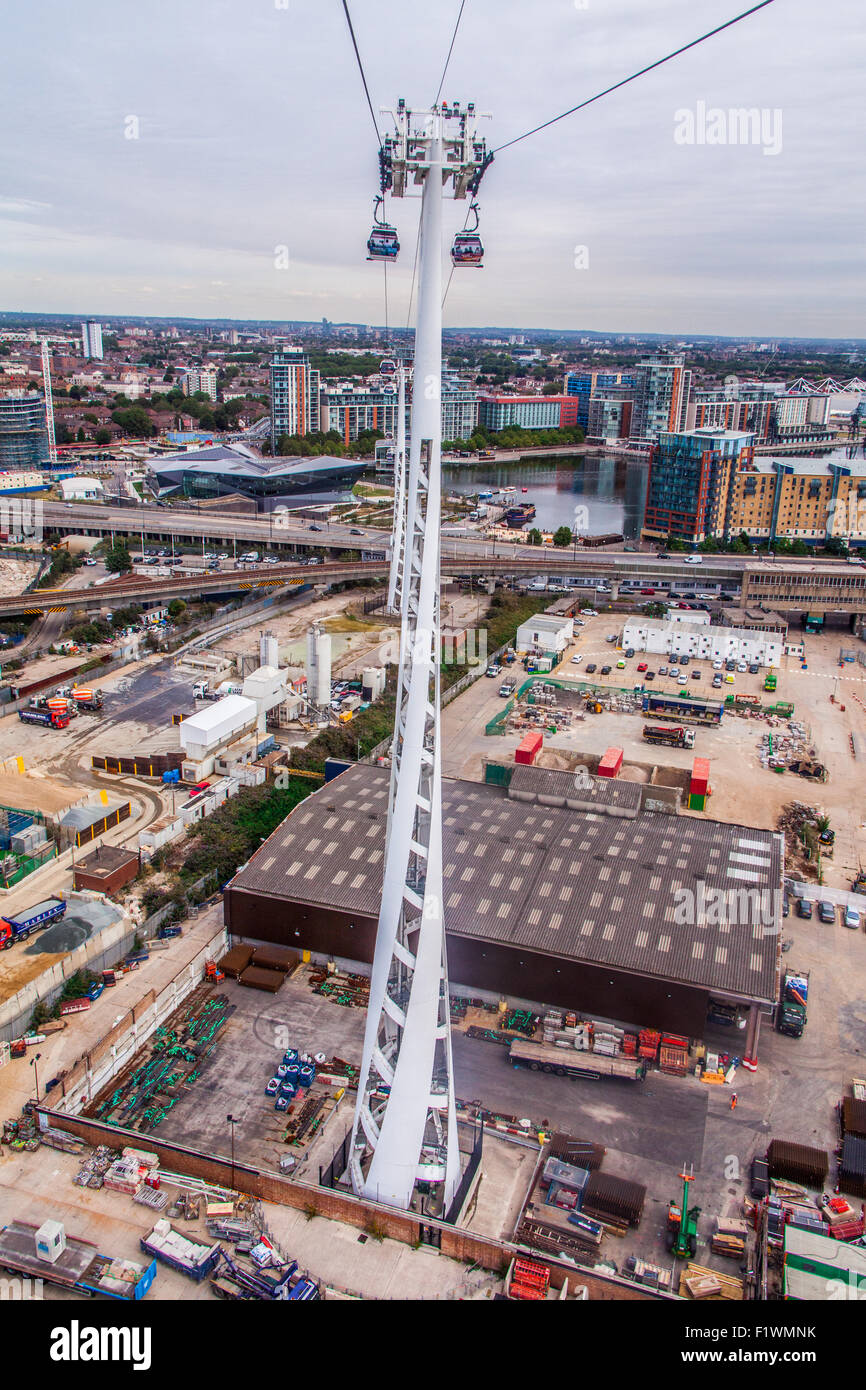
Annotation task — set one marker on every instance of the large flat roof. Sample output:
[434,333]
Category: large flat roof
[589,885]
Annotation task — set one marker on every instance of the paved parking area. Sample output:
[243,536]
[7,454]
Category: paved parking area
[251,1045]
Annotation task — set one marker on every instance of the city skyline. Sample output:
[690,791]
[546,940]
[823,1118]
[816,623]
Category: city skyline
[168,186]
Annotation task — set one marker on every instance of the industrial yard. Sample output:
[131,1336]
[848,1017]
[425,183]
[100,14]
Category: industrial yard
[224,1050]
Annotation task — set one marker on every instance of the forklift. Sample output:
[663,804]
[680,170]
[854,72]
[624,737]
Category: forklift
[682,1227]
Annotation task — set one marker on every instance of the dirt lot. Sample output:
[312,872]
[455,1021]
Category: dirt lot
[742,790]
[15,575]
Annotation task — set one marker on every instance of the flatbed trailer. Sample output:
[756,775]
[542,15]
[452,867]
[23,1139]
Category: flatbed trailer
[566,1061]
[160,1246]
[80,1266]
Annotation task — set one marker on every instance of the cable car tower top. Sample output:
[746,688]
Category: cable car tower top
[404,1148]
[408,152]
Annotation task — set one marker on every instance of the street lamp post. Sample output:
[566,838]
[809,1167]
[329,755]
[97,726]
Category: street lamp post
[232,1121]
[33,1063]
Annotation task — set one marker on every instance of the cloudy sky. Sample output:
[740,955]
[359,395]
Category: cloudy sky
[251,132]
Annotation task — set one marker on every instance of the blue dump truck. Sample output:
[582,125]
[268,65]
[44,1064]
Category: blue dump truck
[18,928]
[48,1253]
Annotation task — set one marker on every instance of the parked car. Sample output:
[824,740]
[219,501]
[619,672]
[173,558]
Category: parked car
[730,665]
[576,660]
[674,673]
[591,668]
[605,670]
[804,908]
[741,666]
[717,680]
[642,665]
[663,670]
[729,679]
[717,665]
[620,664]
[696,675]
[650,676]
[629,651]
[754,668]
[827,911]
[589,612]
[851,918]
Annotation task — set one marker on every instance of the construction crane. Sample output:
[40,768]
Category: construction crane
[49,402]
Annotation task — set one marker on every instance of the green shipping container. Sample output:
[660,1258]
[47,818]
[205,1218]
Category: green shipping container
[697,801]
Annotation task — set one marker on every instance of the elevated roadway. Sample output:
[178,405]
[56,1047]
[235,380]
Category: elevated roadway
[813,587]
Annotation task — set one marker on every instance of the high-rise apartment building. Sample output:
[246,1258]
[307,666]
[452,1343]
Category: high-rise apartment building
[200,379]
[294,393]
[766,409]
[23,432]
[527,412]
[351,410]
[661,396]
[91,339]
[585,385]
[691,477]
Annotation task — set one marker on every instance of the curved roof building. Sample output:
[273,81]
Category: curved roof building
[235,468]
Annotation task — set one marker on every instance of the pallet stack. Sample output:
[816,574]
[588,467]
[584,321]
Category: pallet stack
[673,1054]
[530,1280]
[648,1043]
[729,1238]
[606,1039]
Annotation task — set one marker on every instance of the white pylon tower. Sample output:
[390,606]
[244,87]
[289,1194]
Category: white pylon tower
[405,1127]
[49,401]
[398,532]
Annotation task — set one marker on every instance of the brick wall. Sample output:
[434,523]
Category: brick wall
[336,1206]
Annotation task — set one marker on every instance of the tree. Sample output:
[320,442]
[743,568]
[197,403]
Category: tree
[81,436]
[134,420]
[118,559]
[562,536]
[534,537]
[103,436]
[176,608]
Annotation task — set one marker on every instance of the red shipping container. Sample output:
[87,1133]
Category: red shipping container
[700,776]
[610,763]
[529,748]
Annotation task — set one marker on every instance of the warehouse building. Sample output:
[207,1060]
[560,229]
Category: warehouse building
[558,892]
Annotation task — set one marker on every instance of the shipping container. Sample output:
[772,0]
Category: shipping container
[610,763]
[700,782]
[529,748]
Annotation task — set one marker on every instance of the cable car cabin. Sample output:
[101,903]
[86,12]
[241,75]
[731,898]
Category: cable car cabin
[467,249]
[387,367]
[383,244]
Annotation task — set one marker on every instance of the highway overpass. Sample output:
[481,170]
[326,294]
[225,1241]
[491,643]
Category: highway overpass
[824,587]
